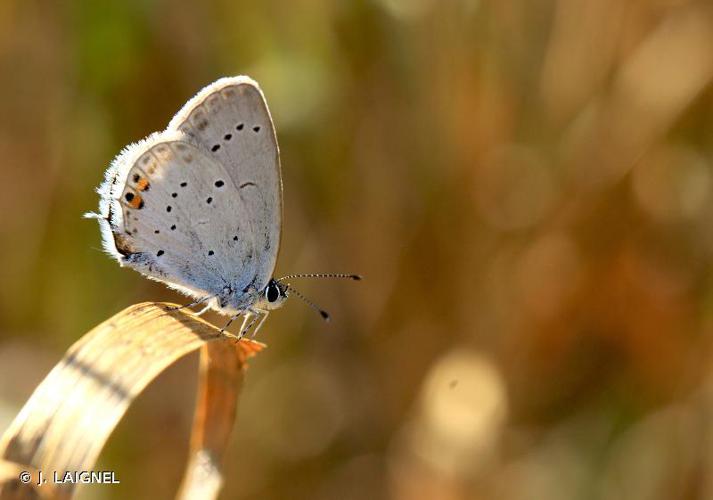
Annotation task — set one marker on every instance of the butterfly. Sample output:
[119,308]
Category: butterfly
[198,206]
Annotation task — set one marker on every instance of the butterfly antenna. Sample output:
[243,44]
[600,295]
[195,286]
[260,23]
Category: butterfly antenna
[322,312]
[355,277]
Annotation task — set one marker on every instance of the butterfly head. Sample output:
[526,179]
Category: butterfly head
[273,295]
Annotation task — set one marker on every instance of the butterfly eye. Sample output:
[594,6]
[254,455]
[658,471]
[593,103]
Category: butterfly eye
[272,293]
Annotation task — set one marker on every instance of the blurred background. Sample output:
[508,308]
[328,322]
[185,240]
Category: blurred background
[526,186]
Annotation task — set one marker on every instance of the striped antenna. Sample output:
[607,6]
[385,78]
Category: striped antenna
[354,277]
[322,312]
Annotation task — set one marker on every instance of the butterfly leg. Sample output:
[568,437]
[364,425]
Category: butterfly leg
[246,317]
[203,310]
[259,325]
[233,318]
[194,303]
[246,329]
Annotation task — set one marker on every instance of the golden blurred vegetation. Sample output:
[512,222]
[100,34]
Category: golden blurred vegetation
[526,186]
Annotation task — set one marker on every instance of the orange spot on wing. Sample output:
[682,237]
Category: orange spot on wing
[136,202]
[142,185]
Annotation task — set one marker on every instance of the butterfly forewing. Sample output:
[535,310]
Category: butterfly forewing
[231,121]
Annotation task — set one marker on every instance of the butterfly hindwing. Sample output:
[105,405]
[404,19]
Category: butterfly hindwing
[176,217]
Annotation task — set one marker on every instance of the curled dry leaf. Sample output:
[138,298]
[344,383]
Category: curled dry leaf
[67,420]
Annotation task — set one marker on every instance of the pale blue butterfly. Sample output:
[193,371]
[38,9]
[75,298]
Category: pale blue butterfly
[199,205]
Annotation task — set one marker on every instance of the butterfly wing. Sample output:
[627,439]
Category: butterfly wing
[231,121]
[173,212]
